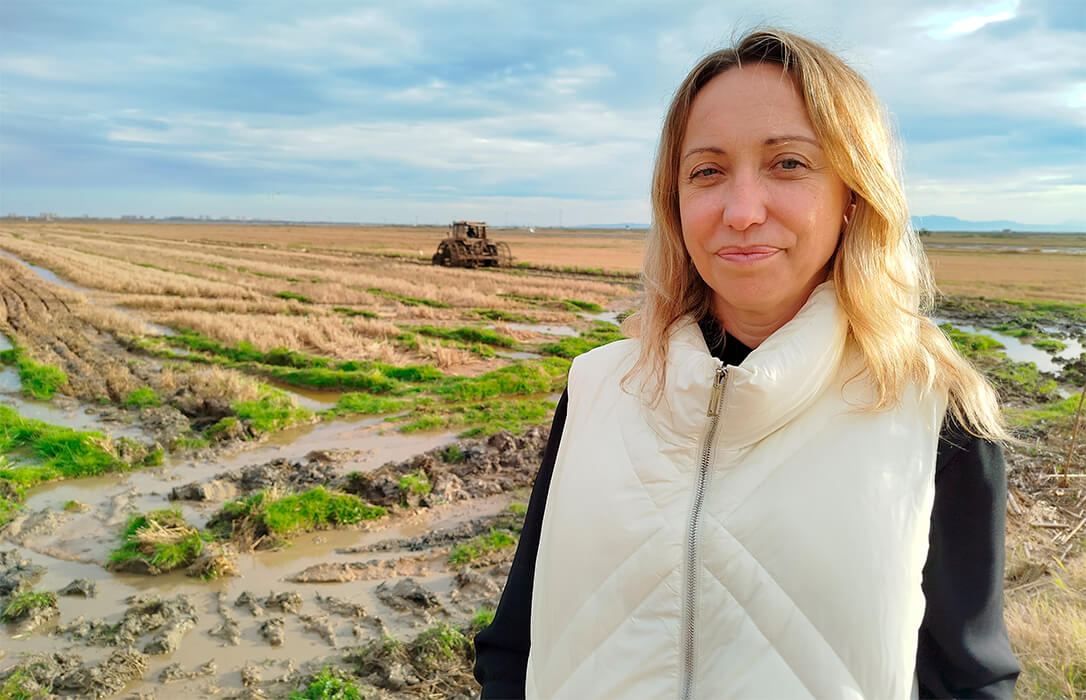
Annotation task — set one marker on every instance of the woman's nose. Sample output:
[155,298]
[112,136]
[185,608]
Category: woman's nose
[744,203]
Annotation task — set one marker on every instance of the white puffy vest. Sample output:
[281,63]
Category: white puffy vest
[789,566]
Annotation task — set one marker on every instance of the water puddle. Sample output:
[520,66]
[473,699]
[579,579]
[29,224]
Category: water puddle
[261,573]
[518,355]
[52,277]
[70,415]
[9,376]
[10,383]
[368,444]
[48,275]
[1019,350]
[306,397]
[543,328]
[605,316]
[152,328]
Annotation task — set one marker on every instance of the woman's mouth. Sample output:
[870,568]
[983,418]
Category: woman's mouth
[747,255]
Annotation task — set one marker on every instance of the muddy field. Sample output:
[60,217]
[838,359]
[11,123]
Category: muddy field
[245,461]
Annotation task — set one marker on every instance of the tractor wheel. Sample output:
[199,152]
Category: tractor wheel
[453,256]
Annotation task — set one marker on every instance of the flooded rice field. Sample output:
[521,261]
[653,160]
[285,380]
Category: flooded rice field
[391,529]
[227,469]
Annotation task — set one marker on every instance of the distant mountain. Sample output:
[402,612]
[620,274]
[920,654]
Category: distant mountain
[953,223]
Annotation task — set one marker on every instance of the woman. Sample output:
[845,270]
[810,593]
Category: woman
[766,491]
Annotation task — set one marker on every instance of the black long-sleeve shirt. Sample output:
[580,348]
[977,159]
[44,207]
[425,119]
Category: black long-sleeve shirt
[963,650]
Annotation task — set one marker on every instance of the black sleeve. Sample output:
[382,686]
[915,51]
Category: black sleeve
[501,650]
[963,648]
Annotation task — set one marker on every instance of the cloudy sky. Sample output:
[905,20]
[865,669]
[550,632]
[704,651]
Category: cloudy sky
[517,113]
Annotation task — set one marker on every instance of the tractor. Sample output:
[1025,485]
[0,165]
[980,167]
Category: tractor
[466,245]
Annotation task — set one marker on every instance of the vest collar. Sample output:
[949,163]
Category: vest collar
[777,381]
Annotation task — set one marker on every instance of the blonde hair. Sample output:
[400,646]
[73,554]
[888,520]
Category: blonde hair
[881,275]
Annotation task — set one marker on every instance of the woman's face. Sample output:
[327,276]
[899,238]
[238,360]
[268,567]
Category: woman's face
[761,208]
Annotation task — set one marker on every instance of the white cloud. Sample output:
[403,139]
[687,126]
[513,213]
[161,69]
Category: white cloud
[945,24]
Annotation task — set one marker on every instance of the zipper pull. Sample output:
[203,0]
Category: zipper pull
[718,391]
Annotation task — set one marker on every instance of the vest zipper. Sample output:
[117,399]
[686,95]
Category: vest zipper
[701,485]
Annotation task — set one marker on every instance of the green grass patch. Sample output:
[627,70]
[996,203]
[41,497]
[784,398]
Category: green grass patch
[415,482]
[601,333]
[499,315]
[354,403]
[578,305]
[62,451]
[38,381]
[328,684]
[971,345]
[484,417]
[161,539]
[1021,376]
[23,604]
[295,296]
[346,311]
[189,442]
[272,411]
[408,301]
[440,643]
[452,454]
[547,375]
[370,380]
[480,546]
[73,506]
[1012,378]
[1049,345]
[1027,314]
[482,619]
[317,508]
[267,513]
[21,684]
[9,509]
[467,334]
[1052,412]
[1014,330]
[142,398]
[300,369]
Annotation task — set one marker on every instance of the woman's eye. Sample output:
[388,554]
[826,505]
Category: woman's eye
[790,164]
[707,171]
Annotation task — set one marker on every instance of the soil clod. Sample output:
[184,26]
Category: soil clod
[107,678]
[289,602]
[248,600]
[274,630]
[407,594]
[80,587]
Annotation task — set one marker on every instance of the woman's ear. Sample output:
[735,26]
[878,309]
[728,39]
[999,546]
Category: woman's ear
[849,211]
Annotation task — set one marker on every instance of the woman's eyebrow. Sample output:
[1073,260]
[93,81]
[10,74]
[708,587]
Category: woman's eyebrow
[778,140]
[771,141]
[704,149]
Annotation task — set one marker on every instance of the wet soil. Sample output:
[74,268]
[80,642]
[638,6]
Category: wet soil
[290,610]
